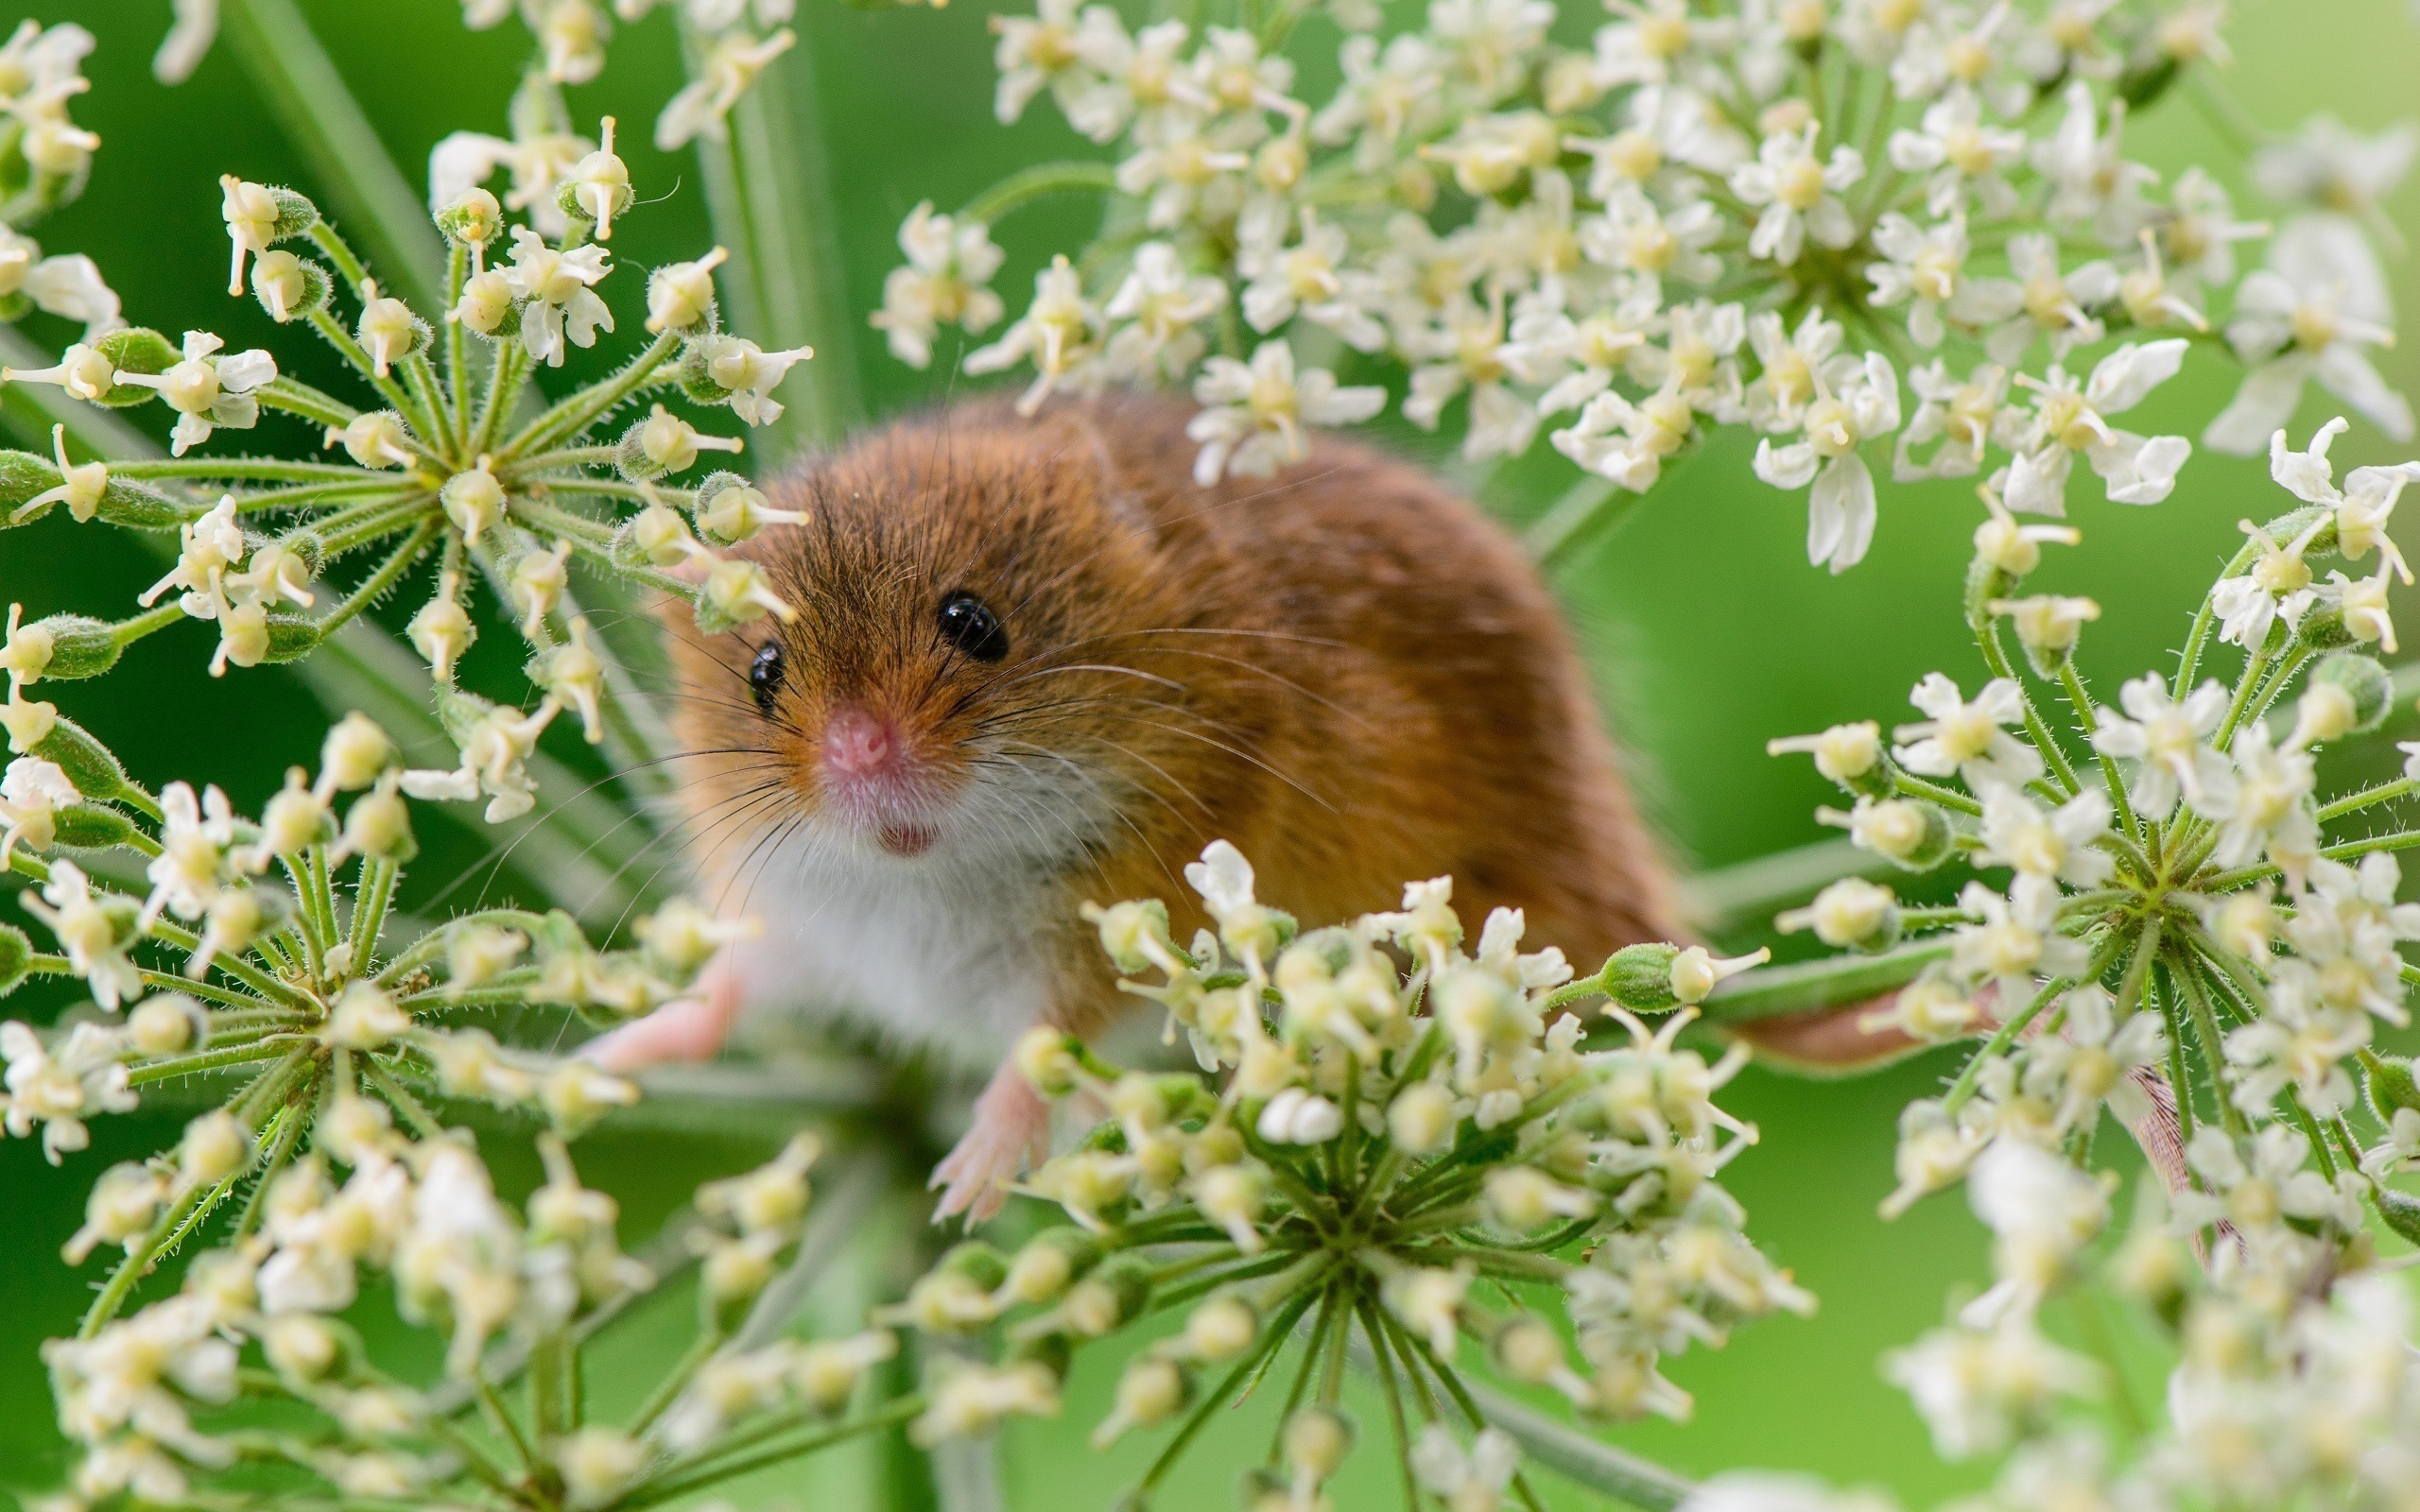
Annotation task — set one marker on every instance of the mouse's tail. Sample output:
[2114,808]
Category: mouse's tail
[1841,1041]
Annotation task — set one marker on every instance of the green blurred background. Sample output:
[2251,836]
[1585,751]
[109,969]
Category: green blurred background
[1710,632]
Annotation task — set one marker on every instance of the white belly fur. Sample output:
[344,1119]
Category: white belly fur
[935,953]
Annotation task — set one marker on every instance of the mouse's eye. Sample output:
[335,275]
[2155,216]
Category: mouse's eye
[765,674]
[968,622]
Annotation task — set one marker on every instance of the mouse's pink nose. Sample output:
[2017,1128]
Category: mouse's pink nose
[855,744]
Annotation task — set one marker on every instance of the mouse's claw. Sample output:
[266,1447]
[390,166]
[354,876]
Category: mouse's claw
[1011,1131]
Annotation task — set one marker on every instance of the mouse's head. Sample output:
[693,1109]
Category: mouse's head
[957,682]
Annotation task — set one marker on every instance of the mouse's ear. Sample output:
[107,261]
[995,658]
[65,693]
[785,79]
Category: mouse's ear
[1078,439]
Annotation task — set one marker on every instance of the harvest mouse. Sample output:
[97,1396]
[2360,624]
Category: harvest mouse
[1034,664]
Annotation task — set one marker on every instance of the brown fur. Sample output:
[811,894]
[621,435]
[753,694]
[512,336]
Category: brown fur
[1347,671]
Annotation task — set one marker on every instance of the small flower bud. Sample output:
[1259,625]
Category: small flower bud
[665,443]
[656,536]
[1528,1350]
[1149,1392]
[597,1463]
[828,1371]
[1110,1297]
[1851,913]
[1046,1267]
[737,592]
[1230,1197]
[1915,835]
[1046,1057]
[734,1272]
[598,186]
[1220,1328]
[374,439]
[288,288]
[2048,626]
[215,1147]
[1315,1442]
[300,1346]
[123,1205]
[2367,690]
[473,220]
[356,753]
[479,954]
[442,630]
[1421,1119]
[387,330]
[2005,549]
[681,296]
[474,501]
[1525,1200]
[736,510]
[1850,755]
[535,584]
[1297,1117]
[366,1019]
[576,1095]
[168,1023]
[486,304]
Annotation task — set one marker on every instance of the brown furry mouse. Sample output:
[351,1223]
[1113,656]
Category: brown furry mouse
[1034,666]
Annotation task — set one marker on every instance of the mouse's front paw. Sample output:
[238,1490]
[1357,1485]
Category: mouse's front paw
[1011,1131]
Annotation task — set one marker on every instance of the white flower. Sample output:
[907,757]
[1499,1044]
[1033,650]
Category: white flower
[2265,804]
[1799,192]
[1463,350]
[1157,313]
[2056,305]
[1962,417]
[499,743]
[560,287]
[1034,53]
[2015,937]
[31,793]
[2327,167]
[1473,1479]
[2364,506]
[2092,181]
[1927,271]
[2069,418]
[1308,278]
[2041,1212]
[2167,738]
[2092,1060]
[1789,362]
[1253,423]
[192,865]
[2278,585]
[1627,442]
[1060,333]
[1968,738]
[2299,1042]
[944,281]
[1961,153]
[730,69]
[2258,1195]
[1186,167]
[94,930]
[57,1088]
[1856,405]
[2019,834]
[207,390]
[2308,315]
[538,159]
[1133,78]
[749,375]
[1977,1390]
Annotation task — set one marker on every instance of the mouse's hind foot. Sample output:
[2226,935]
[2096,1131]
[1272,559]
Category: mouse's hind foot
[1011,1133]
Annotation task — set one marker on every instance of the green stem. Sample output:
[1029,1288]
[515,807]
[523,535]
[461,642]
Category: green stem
[568,417]
[2189,661]
[369,900]
[2081,701]
[1971,1074]
[393,568]
[668,1389]
[338,338]
[298,398]
[1987,637]
[1769,991]
[702,1475]
[2355,802]
[274,1047]
[1028,184]
[2205,1028]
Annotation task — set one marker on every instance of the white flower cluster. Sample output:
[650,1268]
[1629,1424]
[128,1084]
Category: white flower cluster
[2180,941]
[268,976]
[141,1396]
[1852,229]
[44,157]
[1449,1112]
[438,465]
